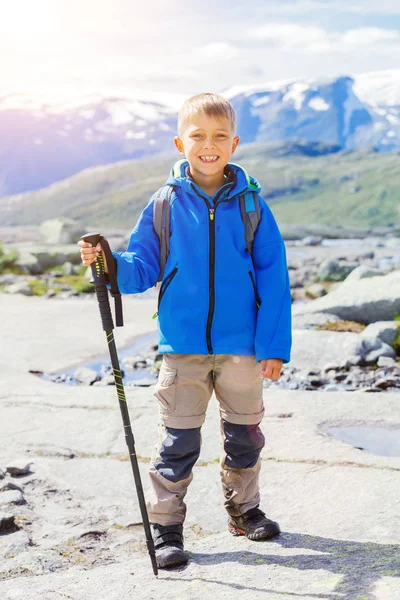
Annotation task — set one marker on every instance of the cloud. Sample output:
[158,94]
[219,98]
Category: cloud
[316,40]
[217,51]
[369,7]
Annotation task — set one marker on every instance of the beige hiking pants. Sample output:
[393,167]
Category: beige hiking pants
[184,388]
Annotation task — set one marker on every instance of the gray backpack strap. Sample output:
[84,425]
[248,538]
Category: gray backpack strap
[161,222]
[250,211]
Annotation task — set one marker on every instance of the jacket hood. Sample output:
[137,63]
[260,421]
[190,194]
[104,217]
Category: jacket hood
[240,180]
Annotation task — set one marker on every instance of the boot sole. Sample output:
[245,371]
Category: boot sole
[236,531]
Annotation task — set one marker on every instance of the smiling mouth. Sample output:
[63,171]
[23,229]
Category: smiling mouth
[209,159]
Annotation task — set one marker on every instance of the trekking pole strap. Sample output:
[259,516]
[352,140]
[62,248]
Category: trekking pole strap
[101,279]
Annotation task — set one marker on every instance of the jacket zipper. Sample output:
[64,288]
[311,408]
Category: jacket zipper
[211,284]
[164,286]
[257,297]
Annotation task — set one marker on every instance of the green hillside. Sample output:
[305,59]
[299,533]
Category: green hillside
[355,189]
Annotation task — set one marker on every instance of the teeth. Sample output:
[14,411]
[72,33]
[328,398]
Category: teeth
[209,158]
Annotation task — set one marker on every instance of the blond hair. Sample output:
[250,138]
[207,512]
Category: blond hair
[212,105]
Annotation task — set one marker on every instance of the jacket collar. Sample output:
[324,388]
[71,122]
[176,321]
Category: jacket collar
[238,179]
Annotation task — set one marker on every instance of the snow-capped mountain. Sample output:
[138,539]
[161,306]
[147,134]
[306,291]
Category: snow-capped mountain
[43,142]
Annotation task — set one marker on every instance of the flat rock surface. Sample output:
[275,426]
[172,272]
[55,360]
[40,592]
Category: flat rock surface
[79,531]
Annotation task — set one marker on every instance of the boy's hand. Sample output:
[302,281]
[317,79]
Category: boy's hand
[89,254]
[271,368]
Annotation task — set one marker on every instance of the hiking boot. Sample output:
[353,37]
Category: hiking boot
[254,525]
[168,543]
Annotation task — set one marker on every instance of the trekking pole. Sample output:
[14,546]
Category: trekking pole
[100,282]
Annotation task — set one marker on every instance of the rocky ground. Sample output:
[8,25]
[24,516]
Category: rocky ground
[69,520]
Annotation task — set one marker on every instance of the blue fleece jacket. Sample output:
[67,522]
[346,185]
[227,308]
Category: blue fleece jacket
[211,286]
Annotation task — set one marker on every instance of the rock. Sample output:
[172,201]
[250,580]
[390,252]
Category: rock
[37,258]
[393,242]
[17,470]
[19,541]
[27,262]
[316,290]
[334,270]
[86,376]
[364,301]
[331,387]
[371,348]
[2,474]
[19,288]
[387,331]
[386,361]
[350,361]
[332,366]
[313,320]
[311,240]
[386,382]
[143,382]
[35,562]
[11,497]
[68,268]
[61,231]
[8,279]
[7,523]
[362,271]
[10,486]
[314,349]
[372,357]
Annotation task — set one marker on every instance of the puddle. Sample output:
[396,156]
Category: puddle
[374,439]
[140,344]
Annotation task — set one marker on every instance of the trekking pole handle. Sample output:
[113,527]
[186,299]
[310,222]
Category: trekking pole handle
[100,282]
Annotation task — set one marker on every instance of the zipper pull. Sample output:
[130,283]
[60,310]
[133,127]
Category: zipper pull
[155,315]
[212,210]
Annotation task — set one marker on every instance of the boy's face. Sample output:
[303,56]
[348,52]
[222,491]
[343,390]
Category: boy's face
[207,143]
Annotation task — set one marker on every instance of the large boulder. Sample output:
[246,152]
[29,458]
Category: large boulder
[365,301]
[61,231]
[39,257]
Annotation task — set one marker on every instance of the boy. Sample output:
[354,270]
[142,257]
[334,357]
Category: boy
[221,313]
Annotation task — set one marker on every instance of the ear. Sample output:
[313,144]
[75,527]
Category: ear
[235,142]
[179,144]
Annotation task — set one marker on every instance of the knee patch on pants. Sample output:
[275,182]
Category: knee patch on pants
[242,445]
[178,453]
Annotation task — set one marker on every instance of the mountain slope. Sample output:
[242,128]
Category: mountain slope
[303,183]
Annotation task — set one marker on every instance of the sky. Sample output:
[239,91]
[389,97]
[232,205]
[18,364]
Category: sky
[187,46]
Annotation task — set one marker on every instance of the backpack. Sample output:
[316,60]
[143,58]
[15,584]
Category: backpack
[249,210]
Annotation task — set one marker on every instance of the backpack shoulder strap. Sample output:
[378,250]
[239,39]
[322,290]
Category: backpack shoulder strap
[250,211]
[161,223]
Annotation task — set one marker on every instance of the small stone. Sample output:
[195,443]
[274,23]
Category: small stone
[143,382]
[331,367]
[86,376]
[331,388]
[386,361]
[11,497]
[369,389]
[2,474]
[386,382]
[7,523]
[17,470]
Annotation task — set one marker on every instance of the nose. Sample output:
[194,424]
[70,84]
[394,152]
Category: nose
[208,142]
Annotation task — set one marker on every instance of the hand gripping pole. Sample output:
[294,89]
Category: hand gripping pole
[101,279]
